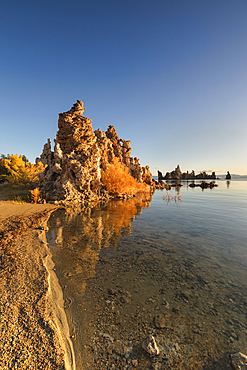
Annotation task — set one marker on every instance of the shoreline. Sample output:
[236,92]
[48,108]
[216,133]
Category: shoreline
[33,328]
[55,297]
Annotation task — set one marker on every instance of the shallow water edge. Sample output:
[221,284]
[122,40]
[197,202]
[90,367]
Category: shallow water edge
[174,270]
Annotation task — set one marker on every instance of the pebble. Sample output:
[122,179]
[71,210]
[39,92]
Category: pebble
[159,321]
[234,335]
[165,303]
[239,361]
[106,336]
[150,346]
[135,363]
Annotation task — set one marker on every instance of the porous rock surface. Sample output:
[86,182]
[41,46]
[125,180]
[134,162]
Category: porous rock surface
[73,169]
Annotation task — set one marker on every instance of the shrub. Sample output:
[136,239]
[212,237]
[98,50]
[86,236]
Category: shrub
[118,181]
[35,195]
[18,200]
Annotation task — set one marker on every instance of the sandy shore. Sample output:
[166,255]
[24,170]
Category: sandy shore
[9,209]
[33,327]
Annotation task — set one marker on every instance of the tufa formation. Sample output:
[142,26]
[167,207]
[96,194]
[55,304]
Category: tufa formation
[73,169]
[178,175]
[228,176]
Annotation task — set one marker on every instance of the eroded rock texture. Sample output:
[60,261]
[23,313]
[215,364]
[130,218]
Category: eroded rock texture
[73,169]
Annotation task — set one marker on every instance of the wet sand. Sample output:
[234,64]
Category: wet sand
[34,332]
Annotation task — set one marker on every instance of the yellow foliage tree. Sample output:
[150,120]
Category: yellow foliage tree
[118,181]
[20,171]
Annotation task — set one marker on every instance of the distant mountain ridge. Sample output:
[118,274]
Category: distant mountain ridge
[234,174]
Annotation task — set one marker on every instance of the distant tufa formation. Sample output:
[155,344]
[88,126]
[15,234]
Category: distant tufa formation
[228,176]
[73,170]
[178,175]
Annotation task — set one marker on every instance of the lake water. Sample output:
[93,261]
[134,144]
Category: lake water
[172,265]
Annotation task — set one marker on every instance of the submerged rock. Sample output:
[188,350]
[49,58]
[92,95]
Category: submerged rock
[159,321]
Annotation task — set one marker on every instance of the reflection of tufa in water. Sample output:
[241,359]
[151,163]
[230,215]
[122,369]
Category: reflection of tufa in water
[204,185]
[84,233]
[168,198]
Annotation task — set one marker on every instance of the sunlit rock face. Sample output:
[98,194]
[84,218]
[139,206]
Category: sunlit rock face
[73,169]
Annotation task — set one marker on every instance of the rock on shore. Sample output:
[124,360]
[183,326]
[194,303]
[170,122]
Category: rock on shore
[73,169]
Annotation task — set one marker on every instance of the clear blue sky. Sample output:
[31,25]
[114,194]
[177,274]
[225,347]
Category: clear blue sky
[170,75]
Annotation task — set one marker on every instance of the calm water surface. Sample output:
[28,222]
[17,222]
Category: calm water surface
[172,265]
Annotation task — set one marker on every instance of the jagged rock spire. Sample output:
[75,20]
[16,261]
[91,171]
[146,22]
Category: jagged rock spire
[73,170]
